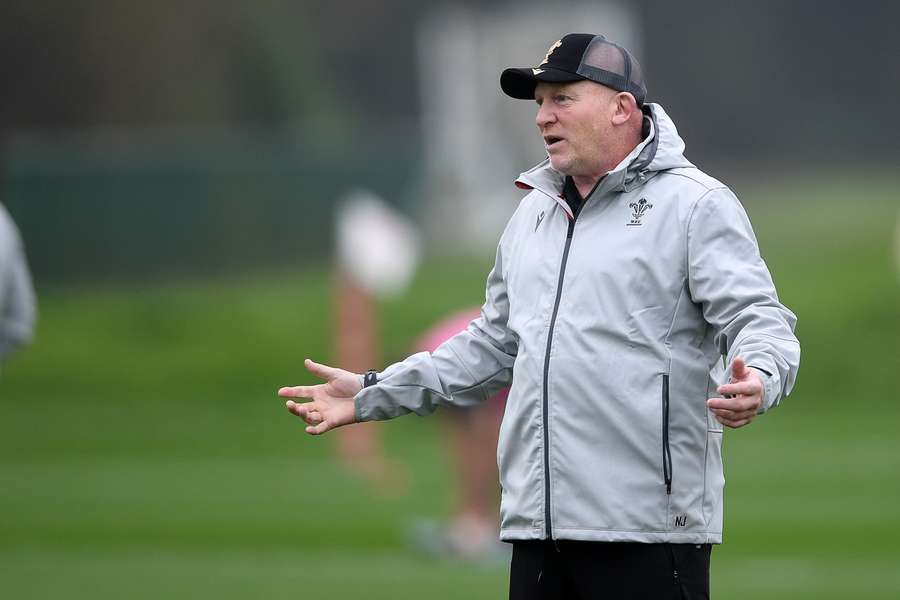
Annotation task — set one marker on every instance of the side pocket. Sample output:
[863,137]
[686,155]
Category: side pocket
[667,453]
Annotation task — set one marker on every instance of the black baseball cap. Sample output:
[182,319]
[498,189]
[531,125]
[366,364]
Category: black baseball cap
[575,57]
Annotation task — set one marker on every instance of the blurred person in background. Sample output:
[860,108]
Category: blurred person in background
[631,312]
[471,531]
[360,282]
[360,449]
[377,251]
[17,302]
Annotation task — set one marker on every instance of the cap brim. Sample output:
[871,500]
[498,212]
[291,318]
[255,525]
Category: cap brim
[520,83]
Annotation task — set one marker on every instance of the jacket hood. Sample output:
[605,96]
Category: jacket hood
[660,150]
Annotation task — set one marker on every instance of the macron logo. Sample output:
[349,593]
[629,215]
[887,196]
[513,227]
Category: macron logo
[540,218]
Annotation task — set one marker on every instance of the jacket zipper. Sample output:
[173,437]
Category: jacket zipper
[667,453]
[546,408]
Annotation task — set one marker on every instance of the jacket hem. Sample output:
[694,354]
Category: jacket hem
[613,535]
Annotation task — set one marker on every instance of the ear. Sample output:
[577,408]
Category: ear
[624,108]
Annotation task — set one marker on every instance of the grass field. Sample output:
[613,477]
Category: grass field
[144,454]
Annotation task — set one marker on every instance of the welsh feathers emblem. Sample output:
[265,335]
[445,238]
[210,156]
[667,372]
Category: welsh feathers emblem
[639,209]
[556,45]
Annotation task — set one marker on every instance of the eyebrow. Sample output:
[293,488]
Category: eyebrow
[556,92]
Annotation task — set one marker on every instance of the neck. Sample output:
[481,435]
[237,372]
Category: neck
[586,183]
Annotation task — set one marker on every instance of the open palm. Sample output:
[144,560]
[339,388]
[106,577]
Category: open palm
[331,403]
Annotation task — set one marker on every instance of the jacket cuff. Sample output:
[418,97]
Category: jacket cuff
[770,389]
[357,409]
[362,406]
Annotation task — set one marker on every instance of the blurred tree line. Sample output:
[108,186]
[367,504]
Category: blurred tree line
[102,63]
[197,132]
[818,73]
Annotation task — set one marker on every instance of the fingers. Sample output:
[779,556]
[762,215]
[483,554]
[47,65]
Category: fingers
[741,388]
[318,429]
[308,411]
[734,412]
[296,409]
[319,370]
[314,417]
[733,423]
[743,397]
[737,403]
[299,391]
[733,415]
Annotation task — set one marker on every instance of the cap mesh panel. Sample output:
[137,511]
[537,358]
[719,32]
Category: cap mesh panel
[610,64]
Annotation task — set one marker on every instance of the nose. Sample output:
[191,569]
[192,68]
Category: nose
[544,116]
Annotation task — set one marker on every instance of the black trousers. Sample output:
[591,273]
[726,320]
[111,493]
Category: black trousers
[569,570]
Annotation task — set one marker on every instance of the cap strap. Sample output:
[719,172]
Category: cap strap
[613,80]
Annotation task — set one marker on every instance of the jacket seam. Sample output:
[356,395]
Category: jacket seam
[707,186]
[666,531]
[672,324]
[705,464]
[459,391]
[469,373]
[687,233]
[487,338]
[763,334]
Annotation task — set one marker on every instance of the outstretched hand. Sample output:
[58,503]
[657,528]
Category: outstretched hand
[331,402]
[743,395]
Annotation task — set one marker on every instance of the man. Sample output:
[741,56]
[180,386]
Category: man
[627,287]
[17,306]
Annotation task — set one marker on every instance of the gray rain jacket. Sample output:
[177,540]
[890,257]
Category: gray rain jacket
[613,330]
[17,305]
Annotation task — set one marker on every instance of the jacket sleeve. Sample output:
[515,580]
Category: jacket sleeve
[17,303]
[465,370]
[730,281]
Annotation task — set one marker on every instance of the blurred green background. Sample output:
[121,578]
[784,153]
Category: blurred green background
[173,169]
[144,453]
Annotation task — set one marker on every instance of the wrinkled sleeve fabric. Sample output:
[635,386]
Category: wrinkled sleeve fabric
[730,281]
[17,302]
[465,370]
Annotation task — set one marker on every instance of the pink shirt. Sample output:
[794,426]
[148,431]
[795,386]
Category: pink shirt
[445,329]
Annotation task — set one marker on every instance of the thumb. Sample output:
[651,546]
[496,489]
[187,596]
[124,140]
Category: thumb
[738,369]
[319,370]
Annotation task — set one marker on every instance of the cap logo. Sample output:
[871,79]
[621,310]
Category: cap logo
[537,71]
[550,51]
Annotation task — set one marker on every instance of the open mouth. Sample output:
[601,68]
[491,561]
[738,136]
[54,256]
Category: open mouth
[551,140]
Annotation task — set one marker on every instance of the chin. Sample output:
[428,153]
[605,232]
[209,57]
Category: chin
[560,165]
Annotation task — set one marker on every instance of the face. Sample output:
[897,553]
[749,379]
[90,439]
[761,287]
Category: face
[575,121]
